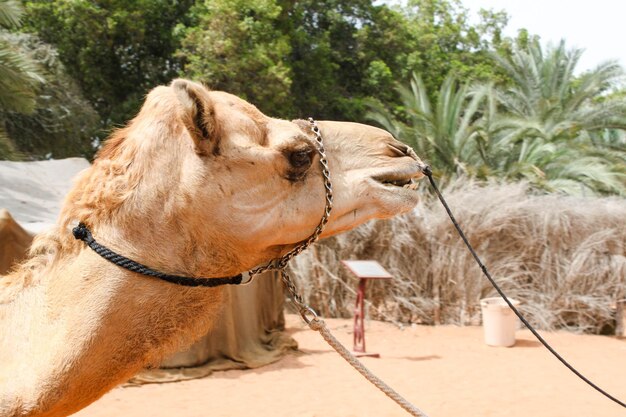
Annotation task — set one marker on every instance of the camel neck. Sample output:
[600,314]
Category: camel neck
[91,322]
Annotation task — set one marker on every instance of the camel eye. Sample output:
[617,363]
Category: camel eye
[300,159]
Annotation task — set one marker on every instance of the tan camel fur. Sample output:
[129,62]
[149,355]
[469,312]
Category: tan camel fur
[200,183]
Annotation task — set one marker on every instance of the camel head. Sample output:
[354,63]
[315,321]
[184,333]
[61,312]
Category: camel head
[227,188]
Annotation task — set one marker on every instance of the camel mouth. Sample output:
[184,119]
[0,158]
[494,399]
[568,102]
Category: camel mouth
[410,184]
[406,179]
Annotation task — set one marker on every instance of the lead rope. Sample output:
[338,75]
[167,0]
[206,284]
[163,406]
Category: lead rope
[428,172]
[314,322]
[317,324]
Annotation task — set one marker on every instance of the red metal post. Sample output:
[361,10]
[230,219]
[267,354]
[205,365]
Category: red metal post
[359,318]
[363,270]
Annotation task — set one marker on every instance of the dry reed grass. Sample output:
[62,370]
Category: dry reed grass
[563,257]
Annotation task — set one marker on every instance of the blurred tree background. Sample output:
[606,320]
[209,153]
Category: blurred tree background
[19,76]
[470,100]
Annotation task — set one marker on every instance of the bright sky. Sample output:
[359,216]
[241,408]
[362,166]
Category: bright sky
[597,26]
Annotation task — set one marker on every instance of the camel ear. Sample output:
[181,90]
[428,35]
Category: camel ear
[197,113]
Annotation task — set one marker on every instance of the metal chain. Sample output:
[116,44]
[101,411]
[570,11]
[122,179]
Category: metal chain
[282,262]
[307,313]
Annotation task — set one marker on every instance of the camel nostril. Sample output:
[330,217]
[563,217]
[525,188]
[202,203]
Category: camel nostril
[410,152]
[401,149]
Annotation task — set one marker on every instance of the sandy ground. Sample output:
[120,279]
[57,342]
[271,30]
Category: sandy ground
[445,371]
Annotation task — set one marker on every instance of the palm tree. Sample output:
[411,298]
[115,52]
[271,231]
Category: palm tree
[552,122]
[19,76]
[444,134]
[558,131]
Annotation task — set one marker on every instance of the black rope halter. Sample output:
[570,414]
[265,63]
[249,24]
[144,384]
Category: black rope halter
[82,232]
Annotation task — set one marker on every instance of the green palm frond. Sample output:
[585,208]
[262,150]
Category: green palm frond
[379,114]
[551,128]
[19,74]
[19,77]
[444,133]
[594,175]
[10,13]
[610,139]
[568,186]
[546,88]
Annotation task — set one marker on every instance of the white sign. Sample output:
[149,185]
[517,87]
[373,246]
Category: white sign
[367,269]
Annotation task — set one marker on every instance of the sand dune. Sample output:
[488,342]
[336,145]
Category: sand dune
[446,371]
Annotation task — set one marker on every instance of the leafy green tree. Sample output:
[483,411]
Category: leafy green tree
[62,123]
[19,75]
[116,50]
[333,68]
[235,46]
[293,59]
[347,52]
[328,58]
[443,42]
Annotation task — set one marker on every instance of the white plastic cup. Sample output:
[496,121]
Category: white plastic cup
[499,321]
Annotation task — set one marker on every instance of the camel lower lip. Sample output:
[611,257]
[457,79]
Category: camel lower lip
[407,186]
[412,186]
